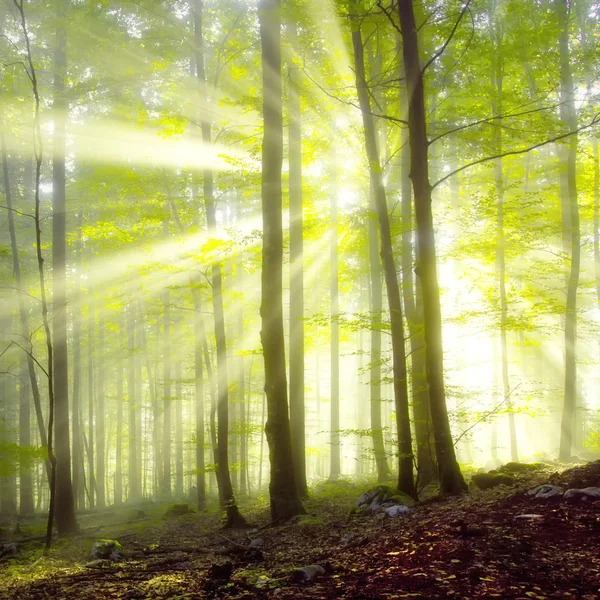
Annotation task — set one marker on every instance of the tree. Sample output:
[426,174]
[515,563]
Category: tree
[451,480]
[571,227]
[406,482]
[285,500]
[297,423]
[234,518]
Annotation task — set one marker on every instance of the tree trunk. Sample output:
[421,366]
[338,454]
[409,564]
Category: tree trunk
[100,416]
[25,480]
[297,418]
[199,396]
[65,507]
[497,74]
[569,201]
[133,475]
[23,316]
[406,482]
[166,441]
[178,416]
[90,445]
[234,518]
[285,500]
[78,458]
[451,479]
[119,436]
[413,305]
[334,348]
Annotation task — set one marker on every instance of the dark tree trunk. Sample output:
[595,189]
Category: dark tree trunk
[406,482]
[451,479]
[234,518]
[285,500]
[297,424]
[413,305]
[65,506]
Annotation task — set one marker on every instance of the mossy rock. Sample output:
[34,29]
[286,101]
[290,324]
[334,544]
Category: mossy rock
[178,510]
[487,481]
[307,520]
[517,467]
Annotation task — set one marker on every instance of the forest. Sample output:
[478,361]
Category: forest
[299,299]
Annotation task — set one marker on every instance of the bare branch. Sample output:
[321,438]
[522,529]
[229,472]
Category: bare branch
[494,118]
[349,103]
[441,51]
[17,211]
[593,122]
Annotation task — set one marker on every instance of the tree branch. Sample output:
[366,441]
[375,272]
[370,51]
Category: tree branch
[494,118]
[441,51]
[593,122]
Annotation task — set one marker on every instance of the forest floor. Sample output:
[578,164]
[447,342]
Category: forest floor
[500,543]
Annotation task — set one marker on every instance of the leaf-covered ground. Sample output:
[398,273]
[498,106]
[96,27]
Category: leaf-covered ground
[500,543]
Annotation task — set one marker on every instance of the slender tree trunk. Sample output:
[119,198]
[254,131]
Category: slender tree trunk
[178,416]
[23,316]
[78,458]
[166,441]
[383,469]
[133,476]
[234,518]
[569,201]
[241,374]
[451,480]
[199,396]
[119,438]
[100,416]
[334,348]
[91,389]
[406,482]
[497,75]
[65,506]
[25,480]
[297,418]
[285,500]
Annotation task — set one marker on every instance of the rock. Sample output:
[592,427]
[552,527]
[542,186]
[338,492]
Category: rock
[487,481]
[308,573]
[8,550]
[588,493]
[256,543]
[177,510]
[381,498]
[109,550]
[545,491]
[517,467]
[397,509]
